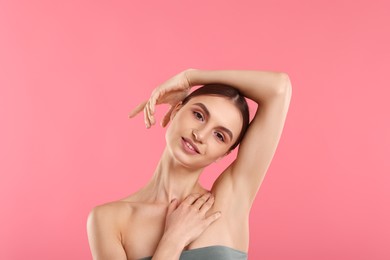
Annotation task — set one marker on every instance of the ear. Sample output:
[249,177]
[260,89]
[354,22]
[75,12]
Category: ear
[176,109]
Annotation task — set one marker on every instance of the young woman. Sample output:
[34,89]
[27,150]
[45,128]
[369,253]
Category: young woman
[173,216]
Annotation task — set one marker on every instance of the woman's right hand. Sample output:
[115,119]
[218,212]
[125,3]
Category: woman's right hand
[187,221]
[171,92]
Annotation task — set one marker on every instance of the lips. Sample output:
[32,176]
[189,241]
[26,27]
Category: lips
[191,144]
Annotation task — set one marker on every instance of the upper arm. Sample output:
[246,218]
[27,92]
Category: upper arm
[258,146]
[103,236]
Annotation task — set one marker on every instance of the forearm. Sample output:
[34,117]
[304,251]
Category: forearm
[256,85]
[168,249]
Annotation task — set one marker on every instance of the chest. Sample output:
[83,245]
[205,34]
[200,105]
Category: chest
[144,229]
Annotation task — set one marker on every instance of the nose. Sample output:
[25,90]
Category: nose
[197,135]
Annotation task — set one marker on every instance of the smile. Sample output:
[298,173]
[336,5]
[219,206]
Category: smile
[189,146]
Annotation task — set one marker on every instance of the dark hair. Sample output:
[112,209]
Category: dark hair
[231,93]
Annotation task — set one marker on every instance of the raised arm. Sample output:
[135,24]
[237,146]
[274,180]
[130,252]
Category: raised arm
[272,92]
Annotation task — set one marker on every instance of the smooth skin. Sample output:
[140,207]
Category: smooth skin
[150,222]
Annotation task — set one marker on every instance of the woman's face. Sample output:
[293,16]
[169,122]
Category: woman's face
[203,130]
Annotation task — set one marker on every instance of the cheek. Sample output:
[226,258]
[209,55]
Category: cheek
[184,121]
[172,128]
[176,126]
[216,149]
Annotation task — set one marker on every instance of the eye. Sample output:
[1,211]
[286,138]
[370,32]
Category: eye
[220,136]
[198,115]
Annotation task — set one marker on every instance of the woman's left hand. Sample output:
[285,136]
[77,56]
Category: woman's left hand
[170,92]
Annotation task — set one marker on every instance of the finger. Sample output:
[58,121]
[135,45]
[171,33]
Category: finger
[167,117]
[163,123]
[151,114]
[210,219]
[150,117]
[200,201]
[172,206]
[191,198]
[165,120]
[153,100]
[146,117]
[207,205]
[137,109]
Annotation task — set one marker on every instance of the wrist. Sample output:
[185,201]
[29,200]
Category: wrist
[189,74]
[168,248]
[174,242]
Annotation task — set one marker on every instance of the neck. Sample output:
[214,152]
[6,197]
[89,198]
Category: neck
[172,180]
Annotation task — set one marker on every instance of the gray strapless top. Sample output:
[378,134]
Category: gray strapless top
[210,253]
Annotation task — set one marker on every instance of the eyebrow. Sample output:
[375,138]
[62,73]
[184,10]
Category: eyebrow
[201,105]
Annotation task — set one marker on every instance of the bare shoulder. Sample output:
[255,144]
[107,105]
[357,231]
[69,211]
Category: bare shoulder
[109,211]
[107,219]
[104,226]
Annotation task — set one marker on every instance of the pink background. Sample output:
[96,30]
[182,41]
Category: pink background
[70,71]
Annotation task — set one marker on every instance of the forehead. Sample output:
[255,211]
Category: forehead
[222,111]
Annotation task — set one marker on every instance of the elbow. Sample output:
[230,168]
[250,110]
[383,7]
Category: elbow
[285,84]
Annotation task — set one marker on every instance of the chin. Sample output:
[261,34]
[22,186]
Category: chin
[182,158]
